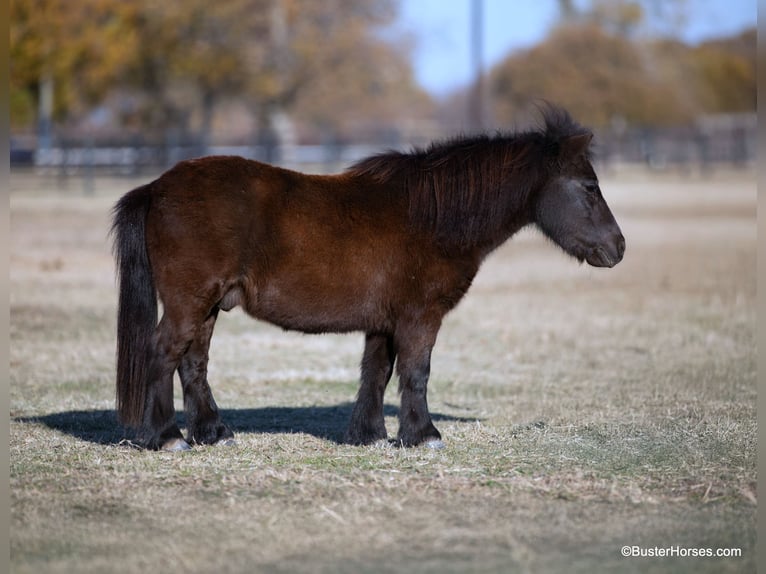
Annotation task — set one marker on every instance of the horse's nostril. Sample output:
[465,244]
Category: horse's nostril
[621,245]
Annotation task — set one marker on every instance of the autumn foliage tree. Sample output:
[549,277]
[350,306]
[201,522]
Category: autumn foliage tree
[171,64]
[79,49]
[596,75]
[598,65]
[168,69]
[726,71]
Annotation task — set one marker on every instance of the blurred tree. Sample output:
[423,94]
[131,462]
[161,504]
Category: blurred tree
[357,78]
[191,54]
[626,17]
[174,62]
[71,53]
[596,75]
[727,71]
[568,10]
[605,67]
[622,17]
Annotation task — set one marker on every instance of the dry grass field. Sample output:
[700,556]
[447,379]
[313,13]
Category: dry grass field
[583,410]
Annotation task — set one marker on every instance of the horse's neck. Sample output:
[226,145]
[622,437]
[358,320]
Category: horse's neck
[492,243]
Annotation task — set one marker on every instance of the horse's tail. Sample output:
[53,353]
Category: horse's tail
[137,306]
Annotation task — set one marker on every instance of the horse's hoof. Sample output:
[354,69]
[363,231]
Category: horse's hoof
[435,444]
[227,442]
[176,445]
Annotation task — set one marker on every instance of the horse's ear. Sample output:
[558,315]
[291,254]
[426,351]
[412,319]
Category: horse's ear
[576,145]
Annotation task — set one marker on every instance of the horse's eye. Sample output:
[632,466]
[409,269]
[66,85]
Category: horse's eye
[591,187]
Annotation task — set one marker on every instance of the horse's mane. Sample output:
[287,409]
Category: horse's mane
[464,188]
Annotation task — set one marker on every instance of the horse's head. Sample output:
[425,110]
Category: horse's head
[570,209]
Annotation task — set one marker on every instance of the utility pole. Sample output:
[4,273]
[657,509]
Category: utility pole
[45,119]
[476,102]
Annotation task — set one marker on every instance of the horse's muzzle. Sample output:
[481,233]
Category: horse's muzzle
[608,254]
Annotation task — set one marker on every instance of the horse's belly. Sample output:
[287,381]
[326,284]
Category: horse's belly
[318,307]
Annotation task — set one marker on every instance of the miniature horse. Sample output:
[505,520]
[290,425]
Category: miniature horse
[388,248]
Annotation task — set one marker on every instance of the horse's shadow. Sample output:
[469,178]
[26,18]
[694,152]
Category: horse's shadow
[325,422]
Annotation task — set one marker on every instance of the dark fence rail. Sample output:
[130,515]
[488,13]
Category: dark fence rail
[710,142]
[78,157]
[714,140]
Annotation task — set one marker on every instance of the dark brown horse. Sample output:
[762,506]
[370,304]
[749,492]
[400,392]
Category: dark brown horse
[387,248]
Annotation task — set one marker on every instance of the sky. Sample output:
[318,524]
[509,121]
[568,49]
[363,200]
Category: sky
[440,31]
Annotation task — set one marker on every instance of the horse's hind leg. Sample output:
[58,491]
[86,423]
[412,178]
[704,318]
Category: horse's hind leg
[159,429]
[367,425]
[204,422]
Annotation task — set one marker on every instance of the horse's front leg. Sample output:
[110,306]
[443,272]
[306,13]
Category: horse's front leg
[367,424]
[414,366]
